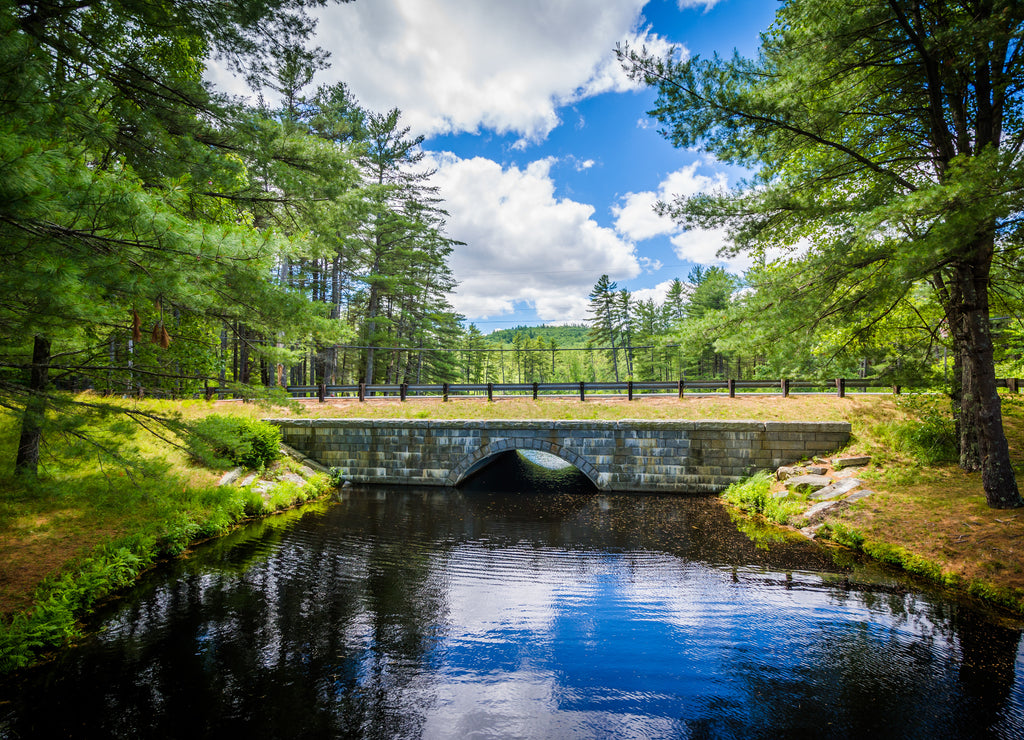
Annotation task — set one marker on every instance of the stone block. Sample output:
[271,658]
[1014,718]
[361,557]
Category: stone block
[850,462]
[836,489]
[808,482]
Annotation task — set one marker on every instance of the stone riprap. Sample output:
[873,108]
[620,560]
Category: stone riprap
[676,456]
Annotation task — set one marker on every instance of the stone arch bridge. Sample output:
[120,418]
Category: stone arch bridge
[676,456]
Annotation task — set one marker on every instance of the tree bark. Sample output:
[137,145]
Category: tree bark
[981,404]
[27,461]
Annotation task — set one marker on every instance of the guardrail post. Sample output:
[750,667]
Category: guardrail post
[403,391]
[583,392]
[490,391]
[362,392]
[681,384]
[208,392]
[841,387]
[732,388]
[1012,385]
[321,392]
[896,389]
[629,390]
[444,391]
[535,391]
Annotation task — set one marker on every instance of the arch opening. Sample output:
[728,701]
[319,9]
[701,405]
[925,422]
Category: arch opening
[525,470]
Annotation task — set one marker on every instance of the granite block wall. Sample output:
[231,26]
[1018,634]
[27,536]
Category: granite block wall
[671,456]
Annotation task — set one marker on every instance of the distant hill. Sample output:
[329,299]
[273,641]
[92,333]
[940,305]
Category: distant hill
[570,335]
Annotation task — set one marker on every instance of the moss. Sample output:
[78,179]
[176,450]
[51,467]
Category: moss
[1011,598]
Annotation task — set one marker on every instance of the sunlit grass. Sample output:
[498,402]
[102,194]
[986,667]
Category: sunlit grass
[110,498]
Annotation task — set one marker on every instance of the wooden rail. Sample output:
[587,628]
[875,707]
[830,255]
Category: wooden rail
[631,389]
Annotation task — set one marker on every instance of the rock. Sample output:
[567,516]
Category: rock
[811,531]
[306,472]
[347,484]
[788,471]
[845,473]
[819,507]
[230,477]
[247,480]
[858,495]
[293,478]
[808,482]
[851,462]
[837,489]
[815,470]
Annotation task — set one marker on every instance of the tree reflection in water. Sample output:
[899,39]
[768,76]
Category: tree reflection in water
[427,613]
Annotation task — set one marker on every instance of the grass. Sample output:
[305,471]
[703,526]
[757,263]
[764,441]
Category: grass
[861,409]
[927,516]
[99,514]
[754,495]
[96,518]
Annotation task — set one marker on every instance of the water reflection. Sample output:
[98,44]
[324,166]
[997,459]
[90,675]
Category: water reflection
[427,613]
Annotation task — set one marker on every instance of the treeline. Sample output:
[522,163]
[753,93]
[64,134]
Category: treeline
[714,325]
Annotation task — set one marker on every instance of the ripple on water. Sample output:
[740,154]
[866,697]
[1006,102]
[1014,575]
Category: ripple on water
[408,614]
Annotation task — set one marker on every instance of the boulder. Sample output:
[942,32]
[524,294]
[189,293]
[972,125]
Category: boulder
[788,471]
[819,508]
[230,477]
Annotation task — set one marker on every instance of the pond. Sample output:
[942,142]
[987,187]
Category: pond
[480,613]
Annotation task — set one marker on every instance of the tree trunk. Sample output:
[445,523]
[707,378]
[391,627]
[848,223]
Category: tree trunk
[981,404]
[965,409]
[27,461]
[371,330]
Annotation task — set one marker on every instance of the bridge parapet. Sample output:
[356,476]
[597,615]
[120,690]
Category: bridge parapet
[626,455]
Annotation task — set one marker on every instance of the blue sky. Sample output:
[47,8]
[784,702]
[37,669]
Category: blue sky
[544,155]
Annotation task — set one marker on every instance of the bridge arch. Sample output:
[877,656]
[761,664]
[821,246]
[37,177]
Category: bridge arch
[471,463]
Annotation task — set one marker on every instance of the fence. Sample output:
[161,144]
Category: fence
[630,389]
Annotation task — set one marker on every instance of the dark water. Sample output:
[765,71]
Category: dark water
[476,614]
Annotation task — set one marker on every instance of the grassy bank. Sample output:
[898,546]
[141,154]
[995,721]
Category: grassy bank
[96,518]
[926,515]
[100,513]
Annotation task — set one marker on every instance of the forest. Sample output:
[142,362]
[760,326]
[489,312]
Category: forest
[160,237]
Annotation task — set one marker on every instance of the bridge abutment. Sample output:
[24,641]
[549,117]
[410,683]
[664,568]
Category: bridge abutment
[628,455]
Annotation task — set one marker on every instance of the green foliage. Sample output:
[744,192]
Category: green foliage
[568,335]
[251,443]
[930,438]
[754,495]
[60,600]
[880,175]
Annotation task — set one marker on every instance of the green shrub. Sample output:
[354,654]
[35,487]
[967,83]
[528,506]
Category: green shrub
[754,495]
[930,438]
[250,443]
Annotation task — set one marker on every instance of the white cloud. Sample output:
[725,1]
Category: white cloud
[523,244]
[451,66]
[657,293]
[706,4]
[635,218]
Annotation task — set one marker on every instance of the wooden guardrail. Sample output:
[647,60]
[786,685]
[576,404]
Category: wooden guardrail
[630,389]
